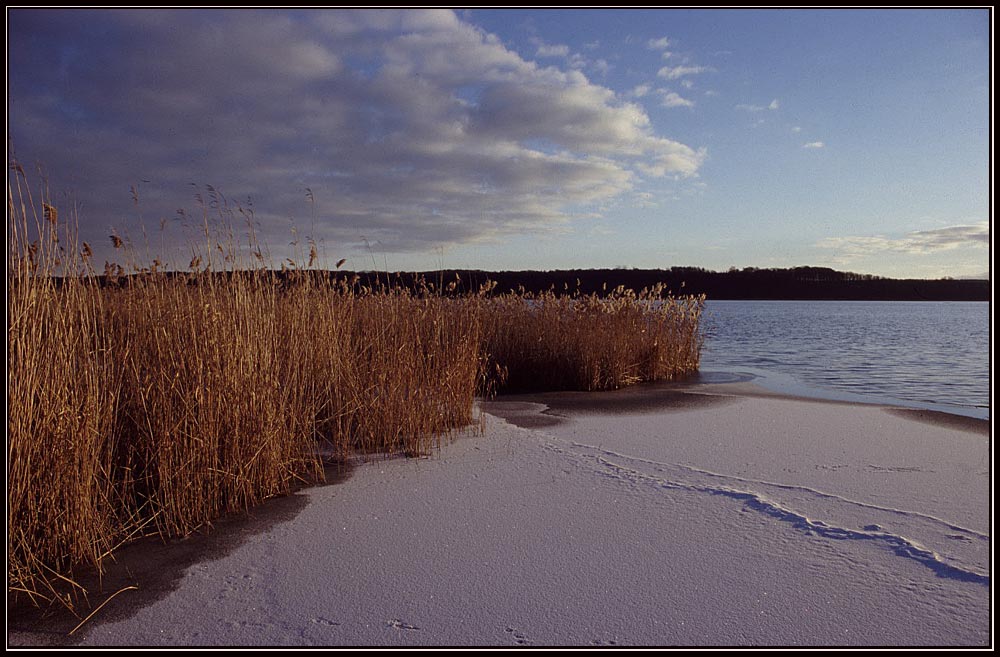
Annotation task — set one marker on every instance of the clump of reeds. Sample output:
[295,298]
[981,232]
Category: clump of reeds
[141,402]
[592,342]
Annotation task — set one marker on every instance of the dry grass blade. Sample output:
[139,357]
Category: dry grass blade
[101,606]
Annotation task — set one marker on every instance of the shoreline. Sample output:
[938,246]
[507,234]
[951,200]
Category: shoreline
[775,384]
[731,384]
[565,523]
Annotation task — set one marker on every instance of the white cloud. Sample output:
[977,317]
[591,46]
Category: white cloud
[687,84]
[671,99]
[773,105]
[658,44]
[814,144]
[796,128]
[572,59]
[711,92]
[550,50]
[413,128]
[577,61]
[675,72]
[641,90]
[666,54]
[674,159]
[644,200]
[922,242]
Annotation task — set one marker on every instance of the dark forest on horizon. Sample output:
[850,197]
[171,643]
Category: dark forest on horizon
[750,283]
[798,283]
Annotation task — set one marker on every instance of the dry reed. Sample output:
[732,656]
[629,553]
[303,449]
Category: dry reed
[592,342]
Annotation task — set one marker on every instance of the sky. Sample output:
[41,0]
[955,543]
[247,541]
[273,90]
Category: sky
[515,139]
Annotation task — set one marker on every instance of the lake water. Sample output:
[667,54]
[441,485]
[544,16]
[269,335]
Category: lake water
[920,354]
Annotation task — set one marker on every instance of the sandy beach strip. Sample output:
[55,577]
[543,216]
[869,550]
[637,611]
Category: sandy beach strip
[709,515]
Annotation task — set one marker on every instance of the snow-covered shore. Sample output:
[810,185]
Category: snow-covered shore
[709,515]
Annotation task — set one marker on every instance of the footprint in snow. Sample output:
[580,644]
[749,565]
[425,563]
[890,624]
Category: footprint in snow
[519,638]
[325,621]
[400,625]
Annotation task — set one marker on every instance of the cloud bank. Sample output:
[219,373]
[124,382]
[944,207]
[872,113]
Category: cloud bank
[916,243]
[414,129]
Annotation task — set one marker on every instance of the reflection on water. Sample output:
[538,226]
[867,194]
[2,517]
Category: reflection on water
[930,354]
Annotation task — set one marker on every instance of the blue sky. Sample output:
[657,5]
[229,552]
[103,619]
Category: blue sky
[517,139]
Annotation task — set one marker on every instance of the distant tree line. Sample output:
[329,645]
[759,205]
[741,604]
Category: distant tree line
[796,283]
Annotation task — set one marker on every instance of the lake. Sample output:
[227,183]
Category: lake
[920,354]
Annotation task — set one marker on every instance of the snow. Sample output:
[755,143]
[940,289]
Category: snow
[658,516]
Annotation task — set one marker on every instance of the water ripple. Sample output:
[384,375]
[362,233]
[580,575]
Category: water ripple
[926,353]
